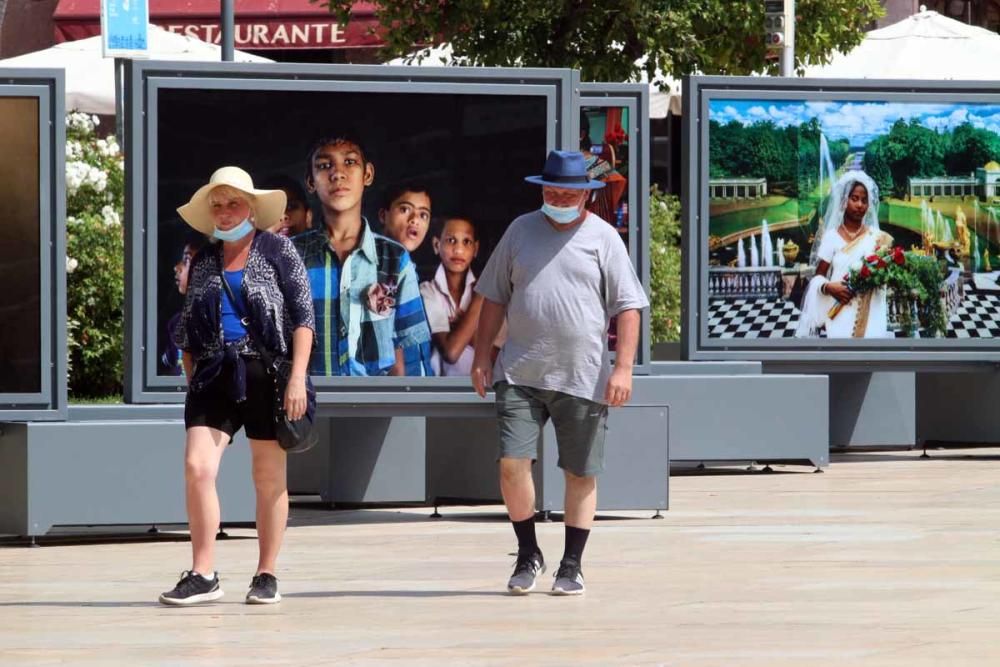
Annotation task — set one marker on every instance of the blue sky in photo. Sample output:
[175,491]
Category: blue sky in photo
[860,121]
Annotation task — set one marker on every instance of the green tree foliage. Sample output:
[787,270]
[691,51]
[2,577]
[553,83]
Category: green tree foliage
[787,157]
[95,258]
[910,149]
[970,147]
[665,267]
[605,39]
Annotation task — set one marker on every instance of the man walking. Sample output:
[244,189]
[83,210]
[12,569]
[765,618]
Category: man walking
[558,275]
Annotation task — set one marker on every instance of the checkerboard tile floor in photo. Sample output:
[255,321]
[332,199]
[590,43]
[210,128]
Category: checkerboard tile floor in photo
[977,317]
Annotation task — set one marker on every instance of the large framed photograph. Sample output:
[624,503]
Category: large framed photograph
[444,152]
[614,138]
[842,220]
[32,246]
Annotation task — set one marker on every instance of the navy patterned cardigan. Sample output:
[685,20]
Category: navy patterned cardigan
[277,297]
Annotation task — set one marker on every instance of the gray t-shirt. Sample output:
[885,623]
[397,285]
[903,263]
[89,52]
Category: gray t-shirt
[561,288]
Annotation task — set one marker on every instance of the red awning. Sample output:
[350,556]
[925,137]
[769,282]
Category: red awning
[260,24]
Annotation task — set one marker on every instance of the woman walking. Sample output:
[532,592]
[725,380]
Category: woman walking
[229,387]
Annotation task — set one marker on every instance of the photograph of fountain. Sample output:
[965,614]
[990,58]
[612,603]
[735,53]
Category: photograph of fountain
[853,219]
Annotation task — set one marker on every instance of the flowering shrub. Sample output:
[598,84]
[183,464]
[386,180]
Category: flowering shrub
[665,267]
[95,258]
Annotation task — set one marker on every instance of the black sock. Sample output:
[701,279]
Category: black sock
[576,540]
[525,531]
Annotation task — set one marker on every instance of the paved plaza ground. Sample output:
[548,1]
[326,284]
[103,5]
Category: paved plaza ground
[886,559]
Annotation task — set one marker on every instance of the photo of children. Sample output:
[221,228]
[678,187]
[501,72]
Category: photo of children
[364,285]
[405,217]
[170,354]
[451,305]
[371,178]
[298,215]
[20,237]
[853,219]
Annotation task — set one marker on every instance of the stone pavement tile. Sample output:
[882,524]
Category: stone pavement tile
[884,560]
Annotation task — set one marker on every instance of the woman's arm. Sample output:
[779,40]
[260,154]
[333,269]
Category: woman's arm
[188,362]
[835,288]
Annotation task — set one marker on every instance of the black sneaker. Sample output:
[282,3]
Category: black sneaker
[193,589]
[263,589]
[569,579]
[526,570]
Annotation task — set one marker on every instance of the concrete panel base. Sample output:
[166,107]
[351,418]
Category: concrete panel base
[107,472]
[743,417]
[958,407]
[871,409]
[376,460]
[461,459]
[637,463]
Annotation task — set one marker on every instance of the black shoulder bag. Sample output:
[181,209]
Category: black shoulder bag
[293,436]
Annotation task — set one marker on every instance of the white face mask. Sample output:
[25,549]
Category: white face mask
[564,215]
[234,234]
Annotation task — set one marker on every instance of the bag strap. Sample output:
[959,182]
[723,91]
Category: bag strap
[247,322]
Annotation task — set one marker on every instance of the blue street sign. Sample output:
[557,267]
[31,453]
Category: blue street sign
[125,28]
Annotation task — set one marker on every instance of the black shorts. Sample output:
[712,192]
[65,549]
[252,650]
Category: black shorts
[214,406]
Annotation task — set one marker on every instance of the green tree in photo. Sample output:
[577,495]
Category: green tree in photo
[970,147]
[616,41]
[910,149]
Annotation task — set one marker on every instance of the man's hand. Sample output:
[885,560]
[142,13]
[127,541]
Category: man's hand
[619,389]
[482,374]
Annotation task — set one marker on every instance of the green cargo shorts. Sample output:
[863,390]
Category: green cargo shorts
[580,425]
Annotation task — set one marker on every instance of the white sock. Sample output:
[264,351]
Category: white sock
[207,577]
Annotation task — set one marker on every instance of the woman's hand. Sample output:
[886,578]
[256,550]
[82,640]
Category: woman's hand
[839,291]
[295,397]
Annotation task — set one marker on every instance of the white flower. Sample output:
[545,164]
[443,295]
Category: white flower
[71,264]
[111,218]
[856,266]
[97,121]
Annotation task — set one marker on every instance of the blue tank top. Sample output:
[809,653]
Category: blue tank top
[232,328]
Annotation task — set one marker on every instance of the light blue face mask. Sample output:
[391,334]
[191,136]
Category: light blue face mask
[234,234]
[564,215]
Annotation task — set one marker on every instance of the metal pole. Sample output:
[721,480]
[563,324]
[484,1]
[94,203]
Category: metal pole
[788,50]
[228,21]
[120,101]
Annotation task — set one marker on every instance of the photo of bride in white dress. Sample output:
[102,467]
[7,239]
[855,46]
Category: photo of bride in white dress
[847,233]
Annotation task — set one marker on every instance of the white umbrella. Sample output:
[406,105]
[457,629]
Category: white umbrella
[923,46]
[90,77]
[664,92]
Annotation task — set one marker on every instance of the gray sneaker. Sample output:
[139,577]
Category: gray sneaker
[526,570]
[569,579]
[263,589]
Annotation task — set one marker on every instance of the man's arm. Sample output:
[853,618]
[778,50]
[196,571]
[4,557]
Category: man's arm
[619,389]
[490,320]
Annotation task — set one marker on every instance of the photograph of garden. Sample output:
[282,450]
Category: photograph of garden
[863,219]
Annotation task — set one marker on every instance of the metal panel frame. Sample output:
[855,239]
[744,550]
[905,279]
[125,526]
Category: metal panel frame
[48,86]
[634,97]
[145,79]
[821,354]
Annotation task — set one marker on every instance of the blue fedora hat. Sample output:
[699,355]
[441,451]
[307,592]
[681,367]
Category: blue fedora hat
[565,169]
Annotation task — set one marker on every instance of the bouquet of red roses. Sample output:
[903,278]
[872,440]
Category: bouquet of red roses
[879,269]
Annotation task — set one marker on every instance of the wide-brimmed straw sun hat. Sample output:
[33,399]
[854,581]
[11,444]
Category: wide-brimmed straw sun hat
[268,205]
